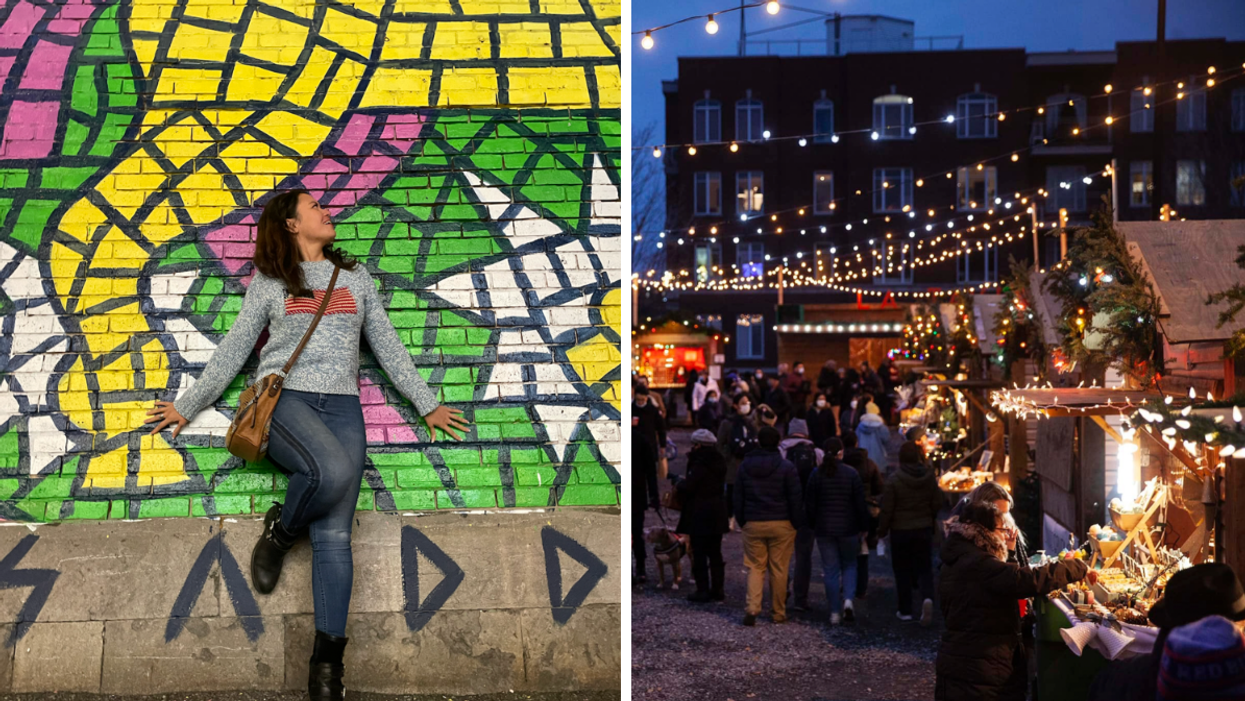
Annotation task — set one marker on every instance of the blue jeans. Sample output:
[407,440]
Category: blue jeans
[838,566]
[320,442]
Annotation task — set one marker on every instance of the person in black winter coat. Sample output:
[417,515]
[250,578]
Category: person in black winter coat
[871,477]
[778,400]
[828,379]
[643,493]
[911,501]
[981,655]
[703,515]
[768,509]
[709,415]
[835,503]
[821,421]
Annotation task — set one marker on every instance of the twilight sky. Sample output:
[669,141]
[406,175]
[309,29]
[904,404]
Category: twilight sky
[1037,25]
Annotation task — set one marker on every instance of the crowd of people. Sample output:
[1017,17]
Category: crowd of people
[828,483]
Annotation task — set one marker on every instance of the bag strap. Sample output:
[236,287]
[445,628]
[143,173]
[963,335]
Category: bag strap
[324,304]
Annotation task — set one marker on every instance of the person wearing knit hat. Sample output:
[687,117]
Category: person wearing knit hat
[1208,589]
[874,435]
[703,515]
[1203,661]
[806,456]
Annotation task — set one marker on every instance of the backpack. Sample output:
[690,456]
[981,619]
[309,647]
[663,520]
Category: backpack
[804,457]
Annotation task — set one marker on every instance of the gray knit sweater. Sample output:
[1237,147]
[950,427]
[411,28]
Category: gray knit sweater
[330,361]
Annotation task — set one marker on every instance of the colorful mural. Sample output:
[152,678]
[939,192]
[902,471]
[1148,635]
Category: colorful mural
[469,152]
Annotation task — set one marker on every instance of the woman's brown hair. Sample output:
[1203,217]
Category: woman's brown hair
[276,252]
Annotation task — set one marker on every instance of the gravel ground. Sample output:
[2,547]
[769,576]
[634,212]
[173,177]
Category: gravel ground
[687,652]
[301,696]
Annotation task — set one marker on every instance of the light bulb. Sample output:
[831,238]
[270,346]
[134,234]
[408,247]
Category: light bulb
[711,26]
[691,150]
[656,152]
[1002,116]
[1015,157]
[1210,83]
[1110,121]
[874,136]
[647,41]
[1107,88]
[765,134]
[734,147]
[950,118]
[834,138]
[911,130]
[772,7]
[803,141]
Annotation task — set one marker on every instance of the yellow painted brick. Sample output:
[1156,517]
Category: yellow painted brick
[178,144]
[495,7]
[463,87]
[312,73]
[81,219]
[108,471]
[615,32]
[187,84]
[127,319]
[302,135]
[561,7]
[145,51]
[115,381]
[252,83]
[342,90]
[372,7]
[158,461]
[461,41]
[609,85]
[215,9]
[274,40]
[559,85]
[274,166]
[161,225]
[391,87]
[226,118]
[348,32]
[246,147]
[74,399]
[606,8]
[439,7]
[198,43]
[526,40]
[302,8]
[403,40]
[580,39]
[64,263]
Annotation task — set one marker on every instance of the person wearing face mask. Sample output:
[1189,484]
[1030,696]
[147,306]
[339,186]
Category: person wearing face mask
[737,436]
[796,385]
[709,416]
[849,388]
[821,421]
[704,385]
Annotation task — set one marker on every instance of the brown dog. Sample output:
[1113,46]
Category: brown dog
[669,549]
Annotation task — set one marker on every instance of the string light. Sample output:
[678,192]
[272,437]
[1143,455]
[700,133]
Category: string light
[711,26]
[772,7]
[647,41]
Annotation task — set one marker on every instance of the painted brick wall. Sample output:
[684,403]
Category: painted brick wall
[469,152]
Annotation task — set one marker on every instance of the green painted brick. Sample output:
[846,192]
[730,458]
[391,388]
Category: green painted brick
[165,508]
[531,496]
[89,510]
[244,483]
[120,509]
[472,499]
[589,495]
[367,500]
[477,477]
[227,504]
[412,500]
[421,478]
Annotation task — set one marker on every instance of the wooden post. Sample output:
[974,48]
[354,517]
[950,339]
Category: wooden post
[1232,546]
[1090,482]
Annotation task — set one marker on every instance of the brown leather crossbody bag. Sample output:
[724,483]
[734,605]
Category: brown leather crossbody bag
[247,437]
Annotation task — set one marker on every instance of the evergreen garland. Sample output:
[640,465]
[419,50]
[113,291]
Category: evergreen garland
[1099,277]
[924,338]
[1017,323]
[1235,296]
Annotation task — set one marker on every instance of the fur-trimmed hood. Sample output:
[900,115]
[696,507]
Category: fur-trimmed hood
[989,541]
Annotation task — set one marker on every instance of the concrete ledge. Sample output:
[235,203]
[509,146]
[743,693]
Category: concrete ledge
[448,603]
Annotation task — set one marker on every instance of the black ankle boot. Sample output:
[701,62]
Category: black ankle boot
[270,551]
[324,683]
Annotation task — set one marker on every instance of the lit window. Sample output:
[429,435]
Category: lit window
[708,257]
[1141,183]
[750,336]
[749,192]
[1190,183]
[750,257]
[823,192]
[976,189]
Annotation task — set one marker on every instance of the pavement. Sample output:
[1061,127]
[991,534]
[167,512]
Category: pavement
[301,696]
[688,652]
